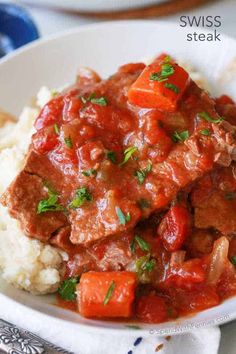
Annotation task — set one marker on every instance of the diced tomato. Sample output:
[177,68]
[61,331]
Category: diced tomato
[50,114]
[174,227]
[71,108]
[198,300]
[224,99]
[186,274]
[45,140]
[164,95]
[151,309]
[95,299]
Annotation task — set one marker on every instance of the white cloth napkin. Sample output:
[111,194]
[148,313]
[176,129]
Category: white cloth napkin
[202,341]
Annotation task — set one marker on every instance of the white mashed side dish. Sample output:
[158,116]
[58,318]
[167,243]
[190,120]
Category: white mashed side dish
[26,263]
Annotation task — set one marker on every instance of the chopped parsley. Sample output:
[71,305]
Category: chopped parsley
[122,217]
[145,264]
[172,87]
[88,99]
[81,196]
[142,174]
[109,293]
[128,154]
[144,203]
[148,266]
[68,142]
[233,260]
[90,172]
[101,101]
[50,204]
[67,289]
[208,118]
[57,129]
[132,245]
[111,155]
[180,136]
[205,132]
[83,99]
[144,246]
[166,71]
[230,195]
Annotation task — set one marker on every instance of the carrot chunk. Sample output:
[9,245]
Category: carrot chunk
[160,85]
[106,294]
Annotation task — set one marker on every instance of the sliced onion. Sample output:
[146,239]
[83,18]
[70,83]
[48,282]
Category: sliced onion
[177,257]
[218,260]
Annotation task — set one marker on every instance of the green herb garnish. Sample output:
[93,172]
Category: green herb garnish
[205,132]
[111,155]
[143,203]
[49,204]
[109,293]
[67,289]
[208,118]
[122,217]
[88,99]
[144,246]
[145,263]
[90,172]
[142,174]
[101,101]
[166,71]
[132,245]
[68,142]
[128,154]
[57,129]
[180,136]
[230,195]
[172,87]
[149,265]
[81,196]
[233,260]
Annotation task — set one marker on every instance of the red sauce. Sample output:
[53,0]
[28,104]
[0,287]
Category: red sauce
[144,192]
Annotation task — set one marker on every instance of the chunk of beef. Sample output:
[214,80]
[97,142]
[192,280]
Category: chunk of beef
[214,201]
[22,199]
[156,171]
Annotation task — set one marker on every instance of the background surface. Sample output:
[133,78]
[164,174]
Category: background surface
[50,22]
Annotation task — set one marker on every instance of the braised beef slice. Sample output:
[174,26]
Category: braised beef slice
[117,126]
[22,198]
[214,201]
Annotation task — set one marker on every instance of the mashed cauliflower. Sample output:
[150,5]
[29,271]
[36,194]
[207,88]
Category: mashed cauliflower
[26,263]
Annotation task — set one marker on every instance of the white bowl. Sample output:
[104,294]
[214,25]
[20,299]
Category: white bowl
[54,62]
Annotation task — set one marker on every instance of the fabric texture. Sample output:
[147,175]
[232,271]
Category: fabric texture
[201,341]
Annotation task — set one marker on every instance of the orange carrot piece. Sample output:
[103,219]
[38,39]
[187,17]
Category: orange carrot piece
[153,90]
[106,294]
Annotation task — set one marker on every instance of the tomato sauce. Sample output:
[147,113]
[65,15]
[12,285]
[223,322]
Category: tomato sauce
[133,177]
